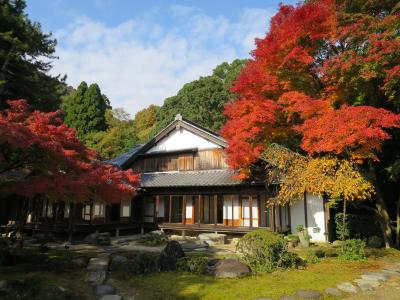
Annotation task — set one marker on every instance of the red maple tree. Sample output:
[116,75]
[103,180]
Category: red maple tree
[40,155]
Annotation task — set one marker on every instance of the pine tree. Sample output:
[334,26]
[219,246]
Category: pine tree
[85,109]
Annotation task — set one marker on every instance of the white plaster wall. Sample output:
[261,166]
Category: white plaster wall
[181,139]
[315,217]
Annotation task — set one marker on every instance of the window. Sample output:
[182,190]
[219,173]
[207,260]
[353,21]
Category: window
[98,210]
[86,212]
[126,208]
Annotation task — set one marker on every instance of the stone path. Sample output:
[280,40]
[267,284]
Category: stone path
[96,274]
[364,286]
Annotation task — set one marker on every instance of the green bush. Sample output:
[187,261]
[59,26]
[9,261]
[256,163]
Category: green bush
[353,249]
[137,264]
[196,265]
[311,257]
[264,251]
[154,239]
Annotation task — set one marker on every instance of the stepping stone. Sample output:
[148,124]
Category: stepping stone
[391,272]
[103,289]
[365,287]
[286,297]
[95,277]
[373,283]
[308,294]
[347,287]
[333,292]
[375,276]
[111,297]
[98,263]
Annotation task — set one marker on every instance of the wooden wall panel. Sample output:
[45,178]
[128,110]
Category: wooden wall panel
[201,160]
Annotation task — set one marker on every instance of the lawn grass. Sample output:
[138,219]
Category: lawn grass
[175,285]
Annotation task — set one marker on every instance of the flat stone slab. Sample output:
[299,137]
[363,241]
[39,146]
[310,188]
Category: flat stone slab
[309,294]
[391,272]
[111,297]
[376,276]
[286,297]
[333,292]
[212,238]
[347,287]
[103,289]
[95,277]
[373,283]
[365,287]
[98,263]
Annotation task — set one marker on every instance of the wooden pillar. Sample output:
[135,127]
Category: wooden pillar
[289,216]
[233,211]
[91,213]
[251,210]
[184,210]
[280,217]
[170,208]
[259,210]
[199,221]
[215,210]
[305,210]
[157,209]
[273,218]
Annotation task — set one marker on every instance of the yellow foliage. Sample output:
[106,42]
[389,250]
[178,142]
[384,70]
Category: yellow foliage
[336,178]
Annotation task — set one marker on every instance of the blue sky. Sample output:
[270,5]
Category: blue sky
[141,52]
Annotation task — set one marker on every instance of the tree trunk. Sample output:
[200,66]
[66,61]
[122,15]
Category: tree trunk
[382,210]
[398,224]
[343,237]
[71,222]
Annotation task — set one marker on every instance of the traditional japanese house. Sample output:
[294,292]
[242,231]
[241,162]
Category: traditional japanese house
[186,185]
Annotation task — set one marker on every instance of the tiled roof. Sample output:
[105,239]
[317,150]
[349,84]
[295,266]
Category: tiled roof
[190,178]
[120,160]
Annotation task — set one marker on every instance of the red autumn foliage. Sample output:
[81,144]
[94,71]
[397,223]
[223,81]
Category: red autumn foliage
[317,61]
[39,155]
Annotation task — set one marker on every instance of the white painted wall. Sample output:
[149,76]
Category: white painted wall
[181,139]
[315,217]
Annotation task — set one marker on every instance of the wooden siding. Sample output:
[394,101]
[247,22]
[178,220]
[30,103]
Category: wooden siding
[201,160]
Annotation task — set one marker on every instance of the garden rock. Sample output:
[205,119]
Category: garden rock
[80,262]
[347,287]
[103,289]
[333,292]
[111,297]
[170,255]
[193,246]
[119,259]
[308,294]
[158,232]
[231,268]
[95,277]
[212,238]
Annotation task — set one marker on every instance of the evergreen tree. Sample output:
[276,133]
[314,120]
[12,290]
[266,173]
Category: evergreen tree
[85,109]
[23,73]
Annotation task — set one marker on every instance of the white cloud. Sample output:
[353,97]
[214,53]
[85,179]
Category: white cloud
[139,63]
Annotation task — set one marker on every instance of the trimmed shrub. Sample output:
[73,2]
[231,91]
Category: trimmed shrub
[265,251]
[137,264]
[311,257]
[154,239]
[196,264]
[353,249]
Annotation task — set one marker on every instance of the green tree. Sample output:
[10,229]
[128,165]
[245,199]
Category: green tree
[202,100]
[145,122]
[85,109]
[120,136]
[23,71]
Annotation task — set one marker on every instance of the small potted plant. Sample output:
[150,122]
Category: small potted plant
[293,240]
[304,237]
